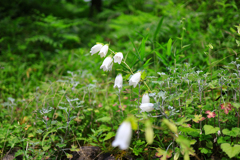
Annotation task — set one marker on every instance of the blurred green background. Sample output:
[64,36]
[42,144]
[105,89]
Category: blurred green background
[41,40]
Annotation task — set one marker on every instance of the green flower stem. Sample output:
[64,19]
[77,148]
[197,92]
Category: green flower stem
[128,67]
[219,111]
[138,106]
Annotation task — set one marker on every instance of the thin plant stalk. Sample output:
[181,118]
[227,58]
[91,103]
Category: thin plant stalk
[119,99]
[219,125]
[138,105]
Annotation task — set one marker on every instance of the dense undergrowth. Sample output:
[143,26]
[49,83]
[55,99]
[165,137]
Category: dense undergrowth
[55,98]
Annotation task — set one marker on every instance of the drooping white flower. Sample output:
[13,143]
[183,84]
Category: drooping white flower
[110,67]
[123,136]
[103,51]
[147,107]
[107,64]
[145,98]
[135,79]
[118,57]
[118,81]
[96,48]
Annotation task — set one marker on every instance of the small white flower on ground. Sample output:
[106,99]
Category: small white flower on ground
[135,79]
[118,81]
[96,48]
[123,136]
[145,98]
[118,57]
[107,64]
[103,51]
[147,107]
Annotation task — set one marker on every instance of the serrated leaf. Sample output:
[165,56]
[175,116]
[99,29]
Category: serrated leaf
[230,151]
[210,129]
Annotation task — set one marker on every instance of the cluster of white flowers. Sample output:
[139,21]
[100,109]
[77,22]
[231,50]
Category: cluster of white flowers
[108,62]
[146,106]
[124,132]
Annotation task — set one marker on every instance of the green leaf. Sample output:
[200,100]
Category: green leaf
[164,61]
[44,137]
[234,132]
[45,148]
[237,105]
[210,129]
[134,48]
[204,150]
[170,125]
[142,48]
[230,151]
[190,131]
[60,145]
[19,152]
[103,119]
[157,29]
[143,75]
[169,46]
[146,63]
[70,156]
[163,154]
[109,135]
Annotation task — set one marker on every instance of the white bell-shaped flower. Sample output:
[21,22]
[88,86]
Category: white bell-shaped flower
[118,81]
[96,48]
[103,51]
[147,107]
[107,64]
[135,79]
[123,136]
[118,57]
[110,67]
[145,98]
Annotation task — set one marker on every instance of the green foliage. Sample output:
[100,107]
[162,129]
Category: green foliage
[210,129]
[54,98]
[229,150]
